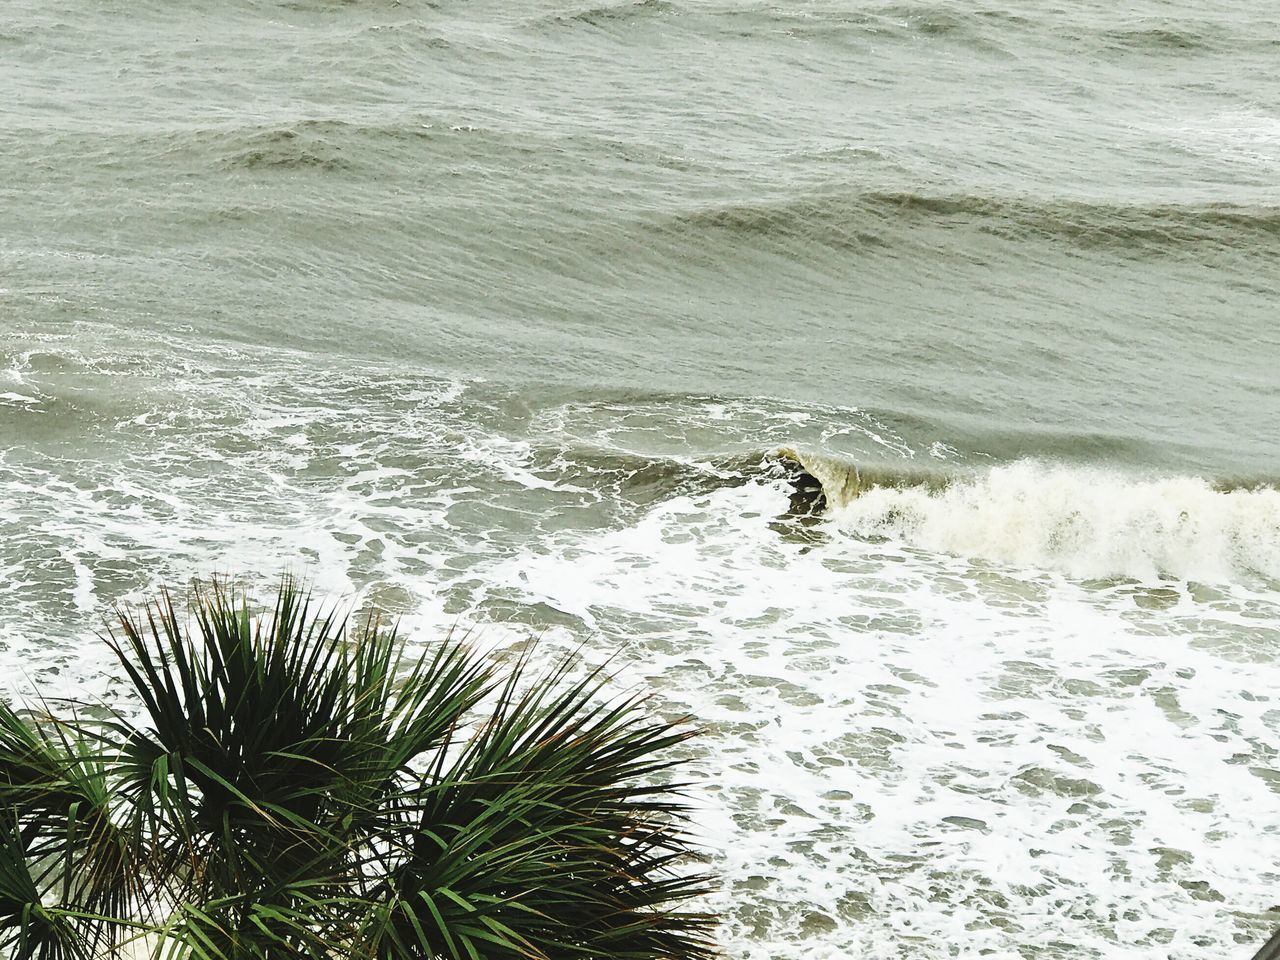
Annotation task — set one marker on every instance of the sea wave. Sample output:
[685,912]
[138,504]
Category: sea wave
[604,15]
[1161,39]
[868,219]
[1086,522]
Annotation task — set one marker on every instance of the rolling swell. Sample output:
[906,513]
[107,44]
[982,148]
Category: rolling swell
[1159,39]
[290,150]
[989,30]
[860,220]
[343,146]
[609,15]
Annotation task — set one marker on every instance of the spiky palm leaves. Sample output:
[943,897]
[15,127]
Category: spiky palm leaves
[62,858]
[298,789]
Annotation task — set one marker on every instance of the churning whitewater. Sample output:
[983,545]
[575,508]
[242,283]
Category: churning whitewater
[969,704]
[887,386]
[1087,522]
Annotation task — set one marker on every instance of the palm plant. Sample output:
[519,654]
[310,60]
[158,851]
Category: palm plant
[297,788]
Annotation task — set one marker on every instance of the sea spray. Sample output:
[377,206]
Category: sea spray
[1085,522]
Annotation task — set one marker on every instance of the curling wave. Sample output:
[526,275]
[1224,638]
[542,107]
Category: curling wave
[1085,522]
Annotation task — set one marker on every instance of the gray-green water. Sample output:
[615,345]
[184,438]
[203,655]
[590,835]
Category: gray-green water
[495,312]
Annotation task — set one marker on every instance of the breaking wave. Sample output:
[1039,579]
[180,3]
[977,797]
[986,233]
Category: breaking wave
[1085,522]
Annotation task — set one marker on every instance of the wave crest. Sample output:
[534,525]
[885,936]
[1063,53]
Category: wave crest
[1087,523]
[859,220]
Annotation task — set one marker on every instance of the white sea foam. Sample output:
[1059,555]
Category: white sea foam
[1087,523]
[913,758]
[906,753]
[1244,136]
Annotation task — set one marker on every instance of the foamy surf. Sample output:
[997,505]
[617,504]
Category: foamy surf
[905,752]
[906,749]
[1086,522]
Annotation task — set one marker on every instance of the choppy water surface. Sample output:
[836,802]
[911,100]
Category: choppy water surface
[501,313]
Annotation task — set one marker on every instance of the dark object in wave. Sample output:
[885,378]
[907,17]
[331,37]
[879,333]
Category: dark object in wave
[822,481]
[808,499]
[1270,950]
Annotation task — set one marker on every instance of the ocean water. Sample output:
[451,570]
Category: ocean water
[554,319]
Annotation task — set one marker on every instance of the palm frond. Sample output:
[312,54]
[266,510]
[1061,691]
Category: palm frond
[276,743]
[302,788]
[54,785]
[545,836]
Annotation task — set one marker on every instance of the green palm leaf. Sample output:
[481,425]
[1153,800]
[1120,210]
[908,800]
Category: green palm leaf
[299,787]
[63,854]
